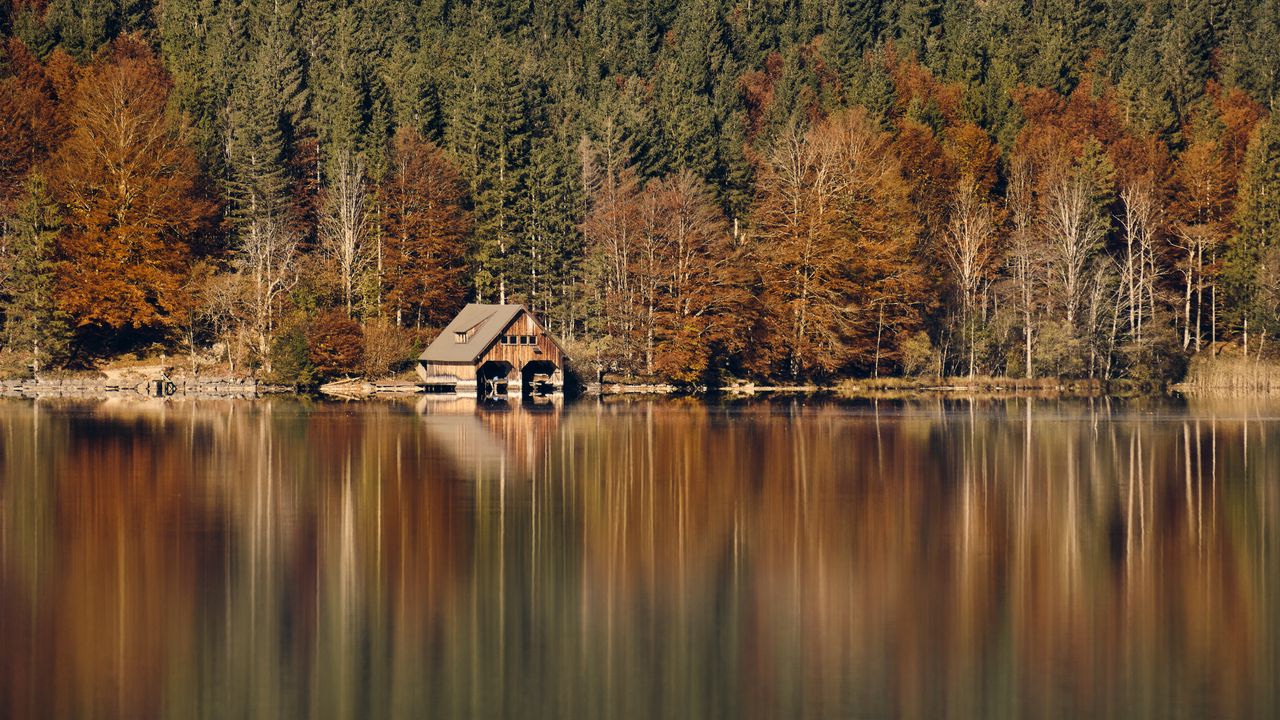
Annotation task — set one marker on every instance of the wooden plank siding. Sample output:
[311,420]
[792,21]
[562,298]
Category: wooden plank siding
[459,371]
[520,355]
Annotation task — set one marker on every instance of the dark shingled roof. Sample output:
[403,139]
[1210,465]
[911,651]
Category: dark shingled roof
[488,320]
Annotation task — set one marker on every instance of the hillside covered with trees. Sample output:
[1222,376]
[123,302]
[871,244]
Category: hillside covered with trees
[680,188]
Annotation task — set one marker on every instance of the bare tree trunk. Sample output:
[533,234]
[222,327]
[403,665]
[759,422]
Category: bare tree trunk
[1115,330]
[1213,306]
[968,245]
[268,258]
[1022,207]
[1186,310]
[1199,291]
[344,229]
[1075,230]
[879,329]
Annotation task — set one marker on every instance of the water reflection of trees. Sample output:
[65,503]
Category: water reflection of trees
[996,559]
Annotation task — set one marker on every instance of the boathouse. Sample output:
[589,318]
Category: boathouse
[494,350]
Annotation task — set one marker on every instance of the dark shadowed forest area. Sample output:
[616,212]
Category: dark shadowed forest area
[683,189]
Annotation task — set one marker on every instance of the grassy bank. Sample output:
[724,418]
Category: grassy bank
[1231,375]
[984,386]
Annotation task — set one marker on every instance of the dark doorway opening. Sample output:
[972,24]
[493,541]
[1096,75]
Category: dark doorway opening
[494,378]
[538,378]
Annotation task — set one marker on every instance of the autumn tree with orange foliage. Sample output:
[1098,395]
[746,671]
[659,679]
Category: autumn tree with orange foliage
[30,126]
[835,249]
[1205,183]
[335,344]
[611,227]
[426,226]
[697,306]
[130,187]
[1044,198]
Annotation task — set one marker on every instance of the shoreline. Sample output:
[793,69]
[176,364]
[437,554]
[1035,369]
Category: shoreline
[348,389]
[882,388]
[133,386]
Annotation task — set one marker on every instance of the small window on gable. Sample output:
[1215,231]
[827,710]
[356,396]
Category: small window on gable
[459,337]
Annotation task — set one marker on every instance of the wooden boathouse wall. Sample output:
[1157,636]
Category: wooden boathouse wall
[521,341]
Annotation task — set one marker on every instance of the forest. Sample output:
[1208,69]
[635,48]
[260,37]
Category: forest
[692,190]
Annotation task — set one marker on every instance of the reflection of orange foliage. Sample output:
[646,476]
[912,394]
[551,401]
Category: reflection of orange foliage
[661,523]
[789,558]
[921,577]
[119,612]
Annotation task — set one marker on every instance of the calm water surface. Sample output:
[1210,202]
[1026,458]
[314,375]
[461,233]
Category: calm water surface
[283,559]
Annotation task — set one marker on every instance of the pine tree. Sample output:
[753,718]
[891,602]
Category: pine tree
[203,46]
[28,25]
[32,320]
[82,27]
[874,90]
[265,110]
[1143,82]
[488,131]
[1248,49]
[1184,52]
[1250,260]
[550,254]
[686,71]
[917,28]
[339,73]
[851,28]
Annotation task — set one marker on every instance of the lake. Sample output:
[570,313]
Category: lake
[644,559]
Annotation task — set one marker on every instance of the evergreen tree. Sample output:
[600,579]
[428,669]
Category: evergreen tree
[1143,81]
[1065,34]
[488,131]
[1248,57]
[851,28]
[339,76]
[686,71]
[203,45]
[917,26]
[82,27]
[549,255]
[874,90]
[265,109]
[28,25]
[1249,272]
[32,321]
[1184,52]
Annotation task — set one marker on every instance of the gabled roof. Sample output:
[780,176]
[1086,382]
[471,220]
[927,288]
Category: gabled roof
[486,321]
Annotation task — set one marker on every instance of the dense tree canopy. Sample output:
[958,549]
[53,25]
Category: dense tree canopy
[686,188]
[129,186]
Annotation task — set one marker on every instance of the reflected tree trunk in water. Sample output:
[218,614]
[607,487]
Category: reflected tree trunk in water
[638,559]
